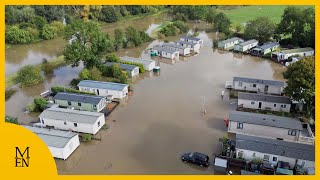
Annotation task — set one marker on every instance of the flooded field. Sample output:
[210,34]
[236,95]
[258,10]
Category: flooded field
[162,119]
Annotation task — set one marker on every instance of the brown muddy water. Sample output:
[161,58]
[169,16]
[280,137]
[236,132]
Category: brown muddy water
[162,119]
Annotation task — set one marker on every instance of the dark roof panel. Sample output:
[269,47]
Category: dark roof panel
[264,97]
[83,98]
[259,81]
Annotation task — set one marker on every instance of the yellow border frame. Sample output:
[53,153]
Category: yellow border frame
[43,165]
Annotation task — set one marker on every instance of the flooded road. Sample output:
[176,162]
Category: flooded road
[163,118]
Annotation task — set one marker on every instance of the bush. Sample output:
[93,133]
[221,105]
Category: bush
[12,120]
[59,26]
[34,32]
[40,104]
[29,75]
[123,78]
[15,35]
[172,29]
[9,93]
[141,66]
[86,137]
[49,32]
[31,107]
[47,67]
[90,74]
[112,58]
[74,82]
[57,89]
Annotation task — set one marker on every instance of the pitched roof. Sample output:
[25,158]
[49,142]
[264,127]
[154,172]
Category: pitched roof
[185,42]
[53,138]
[248,42]
[276,147]
[174,46]
[83,98]
[102,85]
[268,45]
[259,81]
[164,49]
[297,50]
[145,62]
[127,67]
[231,40]
[264,97]
[62,114]
[191,38]
[265,120]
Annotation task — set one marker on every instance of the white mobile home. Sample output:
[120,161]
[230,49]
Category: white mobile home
[264,102]
[131,70]
[258,85]
[245,46]
[184,51]
[165,52]
[193,46]
[60,143]
[191,39]
[270,126]
[265,48]
[229,43]
[100,88]
[285,54]
[148,64]
[72,120]
[273,151]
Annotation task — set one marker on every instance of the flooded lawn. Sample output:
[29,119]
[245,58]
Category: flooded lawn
[162,119]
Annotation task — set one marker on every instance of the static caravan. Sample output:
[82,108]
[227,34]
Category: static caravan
[193,46]
[285,54]
[165,52]
[258,85]
[84,102]
[184,51]
[72,120]
[245,46]
[229,43]
[270,126]
[131,70]
[60,143]
[265,49]
[264,102]
[274,150]
[148,64]
[100,88]
[191,39]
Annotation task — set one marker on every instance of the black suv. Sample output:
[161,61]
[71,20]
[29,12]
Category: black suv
[196,158]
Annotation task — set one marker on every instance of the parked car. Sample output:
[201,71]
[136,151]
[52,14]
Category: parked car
[196,158]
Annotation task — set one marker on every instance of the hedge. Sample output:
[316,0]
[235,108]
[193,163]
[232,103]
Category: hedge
[57,89]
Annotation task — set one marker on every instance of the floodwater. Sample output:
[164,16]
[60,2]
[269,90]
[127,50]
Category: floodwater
[162,119]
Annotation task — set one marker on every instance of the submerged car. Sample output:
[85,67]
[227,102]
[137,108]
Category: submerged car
[196,158]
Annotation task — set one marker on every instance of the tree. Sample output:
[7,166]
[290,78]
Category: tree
[108,14]
[12,120]
[112,58]
[301,82]
[90,74]
[262,28]
[133,37]
[119,39]
[299,25]
[15,35]
[89,44]
[49,32]
[29,75]
[59,27]
[209,18]
[222,23]
[40,104]
[49,12]
[238,28]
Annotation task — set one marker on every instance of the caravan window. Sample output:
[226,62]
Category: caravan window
[240,83]
[254,85]
[266,157]
[292,132]
[240,126]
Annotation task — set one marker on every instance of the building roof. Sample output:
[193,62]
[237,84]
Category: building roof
[297,50]
[63,114]
[83,98]
[103,85]
[268,45]
[264,97]
[185,42]
[164,49]
[191,38]
[53,138]
[265,120]
[276,147]
[126,67]
[173,46]
[259,81]
[248,42]
[231,40]
[145,62]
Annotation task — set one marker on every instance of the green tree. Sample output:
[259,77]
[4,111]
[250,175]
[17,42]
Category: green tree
[15,35]
[108,14]
[49,12]
[89,43]
[10,119]
[301,82]
[112,58]
[90,74]
[222,23]
[39,22]
[40,104]
[262,29]
[59,27]
[29,75]
[133,37]
[49,32]
[123,78]
[209,17]
[119,39]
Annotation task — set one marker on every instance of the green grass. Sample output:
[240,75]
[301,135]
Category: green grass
[242,14]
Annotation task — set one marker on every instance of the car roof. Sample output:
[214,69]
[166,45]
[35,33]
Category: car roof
[201,155]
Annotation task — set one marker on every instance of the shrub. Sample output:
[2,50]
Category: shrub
[123,78]
[15,35]
[29,75]
[86,137]
[181,26]
[49,32]
[90,74]
[59,26]
[33,31]
[31,107]
[74,82]
[112,58]
[47,68]
[40,104]
[12,120]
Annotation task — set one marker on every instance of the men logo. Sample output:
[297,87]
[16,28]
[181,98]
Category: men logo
[22,159]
